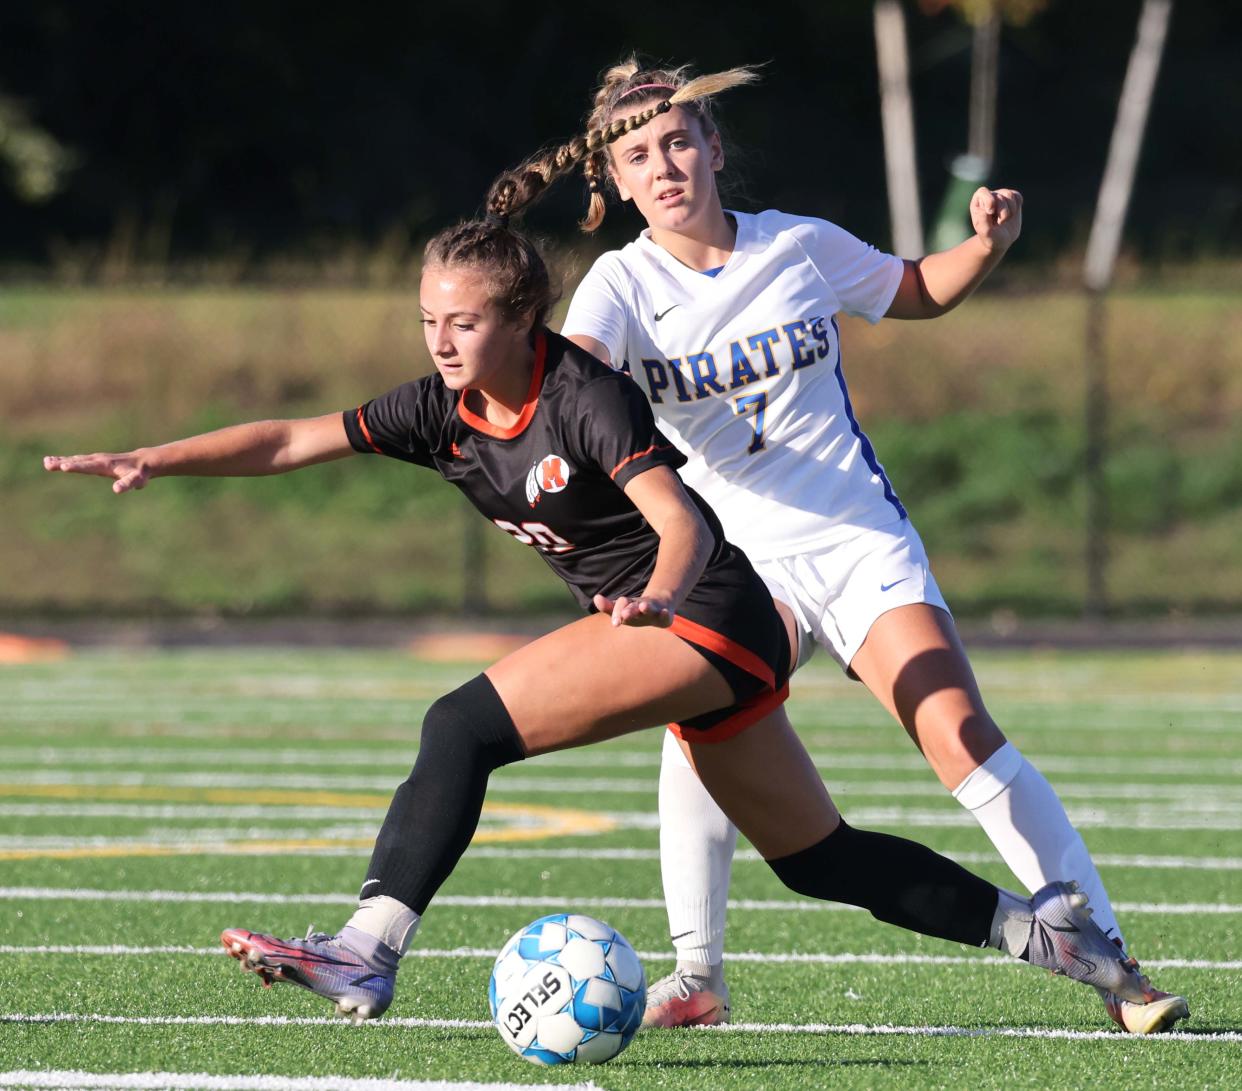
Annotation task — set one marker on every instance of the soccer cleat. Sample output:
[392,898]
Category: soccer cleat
[360,988]
[1156,1016]
[1160,1012]
[685,1000]
[1065,940]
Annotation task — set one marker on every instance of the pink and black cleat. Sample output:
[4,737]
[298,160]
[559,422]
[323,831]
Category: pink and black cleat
[361,985]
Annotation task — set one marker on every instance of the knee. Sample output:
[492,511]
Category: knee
[978,737]
[472,720]
[956,745]
[441,719]
[982,784]
[812,871]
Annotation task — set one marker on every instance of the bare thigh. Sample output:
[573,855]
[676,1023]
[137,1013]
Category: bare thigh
[766,783]
[914,663]
[590,681]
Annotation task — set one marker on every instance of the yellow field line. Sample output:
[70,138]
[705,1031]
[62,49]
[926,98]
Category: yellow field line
[221,848]
[543,821]
[162,794]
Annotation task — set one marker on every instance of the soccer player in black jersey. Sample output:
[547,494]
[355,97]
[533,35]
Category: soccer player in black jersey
[563,453]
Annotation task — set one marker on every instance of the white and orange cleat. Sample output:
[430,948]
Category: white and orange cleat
[686,999]
[1156,1016]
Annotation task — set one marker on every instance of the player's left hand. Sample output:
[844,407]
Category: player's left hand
[636,611]
[996,215]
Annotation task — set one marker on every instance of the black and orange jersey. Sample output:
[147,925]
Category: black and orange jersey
[555,479]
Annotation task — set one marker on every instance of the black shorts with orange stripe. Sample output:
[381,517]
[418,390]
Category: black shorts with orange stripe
[730,620]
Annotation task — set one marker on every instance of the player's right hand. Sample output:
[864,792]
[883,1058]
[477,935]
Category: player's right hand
[636,611]
[128,471]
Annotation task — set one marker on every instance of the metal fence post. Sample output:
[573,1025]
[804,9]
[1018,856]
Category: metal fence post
[1095,451]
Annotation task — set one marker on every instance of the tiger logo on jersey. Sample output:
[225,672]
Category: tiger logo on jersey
[549,474]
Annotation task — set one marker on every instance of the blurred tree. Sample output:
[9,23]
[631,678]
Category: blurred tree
[977,12]
[36,164]
[967,172]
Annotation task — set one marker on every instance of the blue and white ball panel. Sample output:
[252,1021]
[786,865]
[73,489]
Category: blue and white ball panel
[542,991]
[601,1047]
[543,938]
[624,967]
[560,1033]
[590,928]
[567,988]
[510,967]
[598,1004]
[583,958]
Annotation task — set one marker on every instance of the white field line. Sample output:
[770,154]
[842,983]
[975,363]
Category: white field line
[986,961]
[95,756]
[1134,818]
[1181,796]
[299,782]
[782,905]
[309,689]
[882,1030]
[377,728]
[180,811]
[1083,817]
[229,710]
[197,839]
[1131,1041]
[380,725]
[1115,818]
[1062,695]
[194,837]
[591,758]
[1112,723]
[750,856]
[193,1081]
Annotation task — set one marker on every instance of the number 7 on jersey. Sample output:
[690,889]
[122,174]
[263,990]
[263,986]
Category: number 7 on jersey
[741,404]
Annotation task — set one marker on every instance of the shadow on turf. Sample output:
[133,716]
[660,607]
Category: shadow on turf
[843,1062]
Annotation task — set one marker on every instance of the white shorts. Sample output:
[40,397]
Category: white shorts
[837,593]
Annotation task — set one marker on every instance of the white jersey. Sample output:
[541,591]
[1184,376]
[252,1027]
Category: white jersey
[743,370]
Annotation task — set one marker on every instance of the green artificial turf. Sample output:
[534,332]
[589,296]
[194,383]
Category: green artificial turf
[204,789]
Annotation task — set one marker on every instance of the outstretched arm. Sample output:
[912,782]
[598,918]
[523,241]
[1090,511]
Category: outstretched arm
[244,450]
[685,548]
[939,282]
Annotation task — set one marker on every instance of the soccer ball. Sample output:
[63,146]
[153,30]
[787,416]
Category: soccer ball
[567,988]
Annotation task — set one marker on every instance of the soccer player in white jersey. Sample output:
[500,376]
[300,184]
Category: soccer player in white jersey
[727,321]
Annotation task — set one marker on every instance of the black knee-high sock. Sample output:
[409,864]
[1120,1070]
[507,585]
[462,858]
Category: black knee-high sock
[466,734]
[897,881]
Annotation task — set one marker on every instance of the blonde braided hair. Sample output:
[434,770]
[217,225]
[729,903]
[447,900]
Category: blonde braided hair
[517,189]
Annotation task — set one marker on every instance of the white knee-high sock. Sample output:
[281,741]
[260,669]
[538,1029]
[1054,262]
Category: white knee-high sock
[1022,814]
[696,859]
